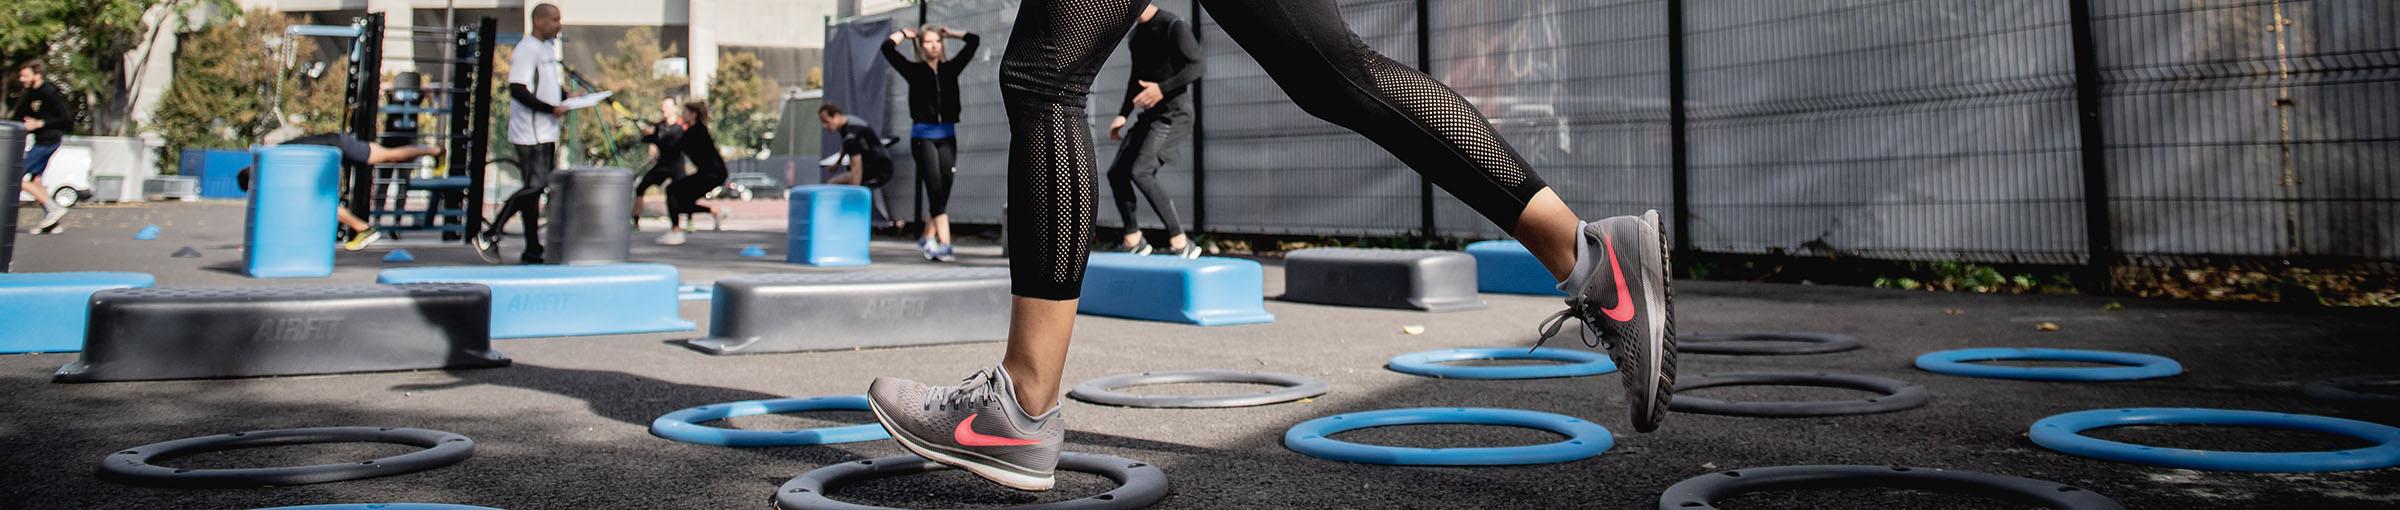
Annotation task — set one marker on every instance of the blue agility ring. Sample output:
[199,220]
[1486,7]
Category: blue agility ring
[1431,363]
[2138,366]
[681,425]
[1584,439]
[2064,433]
[382,506]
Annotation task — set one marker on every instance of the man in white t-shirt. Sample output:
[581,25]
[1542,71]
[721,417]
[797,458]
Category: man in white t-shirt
[536,86]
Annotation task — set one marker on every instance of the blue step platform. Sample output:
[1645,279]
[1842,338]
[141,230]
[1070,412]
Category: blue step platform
[1505,267]
[289,227]
[47,311]
[828,226]
[540,300]
[1208,291]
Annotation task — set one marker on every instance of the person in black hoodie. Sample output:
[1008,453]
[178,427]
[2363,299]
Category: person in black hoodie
[49,116]
[1166,60]
[708,172]
[667,162]
[933,107]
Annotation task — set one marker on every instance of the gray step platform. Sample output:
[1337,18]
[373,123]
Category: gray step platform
[790,312]
[198,333]
[1429,280]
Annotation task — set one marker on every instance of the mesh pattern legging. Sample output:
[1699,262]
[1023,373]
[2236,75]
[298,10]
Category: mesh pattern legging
[1058,45]
[937,162]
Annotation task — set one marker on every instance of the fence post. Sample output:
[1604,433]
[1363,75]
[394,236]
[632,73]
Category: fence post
[1678,127]
[1425,65]
[1199,135]
[2098,236]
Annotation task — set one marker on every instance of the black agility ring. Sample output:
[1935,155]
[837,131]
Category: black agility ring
[1898,395]
[1139,484]
[440,449]
[1104,390]
[1765,344]
[2353,389]
[1701,492]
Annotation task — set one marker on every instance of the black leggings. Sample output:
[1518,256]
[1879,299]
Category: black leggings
[1059,45]
[1150,144]
[937,161]
[659,176]
[683,197]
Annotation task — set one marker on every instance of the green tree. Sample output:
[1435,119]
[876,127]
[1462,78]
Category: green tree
[85,42]
[230,85]
[743,104]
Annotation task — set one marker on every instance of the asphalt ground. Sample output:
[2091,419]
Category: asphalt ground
[567,425]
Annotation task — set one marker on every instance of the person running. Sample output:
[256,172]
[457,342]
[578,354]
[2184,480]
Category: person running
[933,107]
[863,161]
[1003,422]
[357,152]
[667,162]
[536,86]
[1165,59]
[47,114]
[708,172]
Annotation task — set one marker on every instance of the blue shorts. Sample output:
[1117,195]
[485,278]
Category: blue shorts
[37,159]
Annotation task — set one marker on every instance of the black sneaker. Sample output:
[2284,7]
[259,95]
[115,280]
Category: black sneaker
[1619,291]
[487,246]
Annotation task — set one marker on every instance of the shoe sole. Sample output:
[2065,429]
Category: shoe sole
[1000,476]
[1662,350]
[490,253]
[362,245]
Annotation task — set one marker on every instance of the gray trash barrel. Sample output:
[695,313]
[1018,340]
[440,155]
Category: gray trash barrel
[12,154]
[588,214]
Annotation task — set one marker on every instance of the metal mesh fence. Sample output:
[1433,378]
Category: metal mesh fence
[1887,129]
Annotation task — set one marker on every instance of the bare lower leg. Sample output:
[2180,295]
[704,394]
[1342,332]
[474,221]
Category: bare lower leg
[941,228]
[1132,237]
[1549,229]
[40,192]
[1179,241]
[355,224]
[1038,333]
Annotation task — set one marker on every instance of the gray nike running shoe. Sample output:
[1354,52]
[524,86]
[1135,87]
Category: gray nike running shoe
[1619,292]
[976,426]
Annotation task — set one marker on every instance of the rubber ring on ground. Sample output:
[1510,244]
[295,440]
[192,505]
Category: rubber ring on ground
[440,449]
[2353,389]
[1103,390]
[1579,363]
[2064,433]
[382,506]
[1898,395]
[1765,343]
[1701,492]
[684,425]
[1584,439]
[1139,484]
[2139,366]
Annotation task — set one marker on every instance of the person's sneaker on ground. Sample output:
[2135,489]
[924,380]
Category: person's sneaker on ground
[50,219]
[716,220]
[976,426]
[530,259]
[672,238]
[1141,248]
[360,240]
[945,253]
[1619,291]
[1188,251]
[487,246]
[927,246]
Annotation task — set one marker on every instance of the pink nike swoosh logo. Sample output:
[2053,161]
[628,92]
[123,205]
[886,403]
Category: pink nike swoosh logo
[966,435]
[1623,311]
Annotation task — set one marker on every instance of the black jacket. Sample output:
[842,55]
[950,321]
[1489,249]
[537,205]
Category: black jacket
[670,154]
[932,93]
[1163,52]
[47,103]
[701,148]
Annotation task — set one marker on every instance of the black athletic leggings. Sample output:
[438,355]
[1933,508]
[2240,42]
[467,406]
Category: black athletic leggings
[1059,45]
[1150,144]
[937,162]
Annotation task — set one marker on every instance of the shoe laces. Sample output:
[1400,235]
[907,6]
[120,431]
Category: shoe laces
[979,388]
[1557,321]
